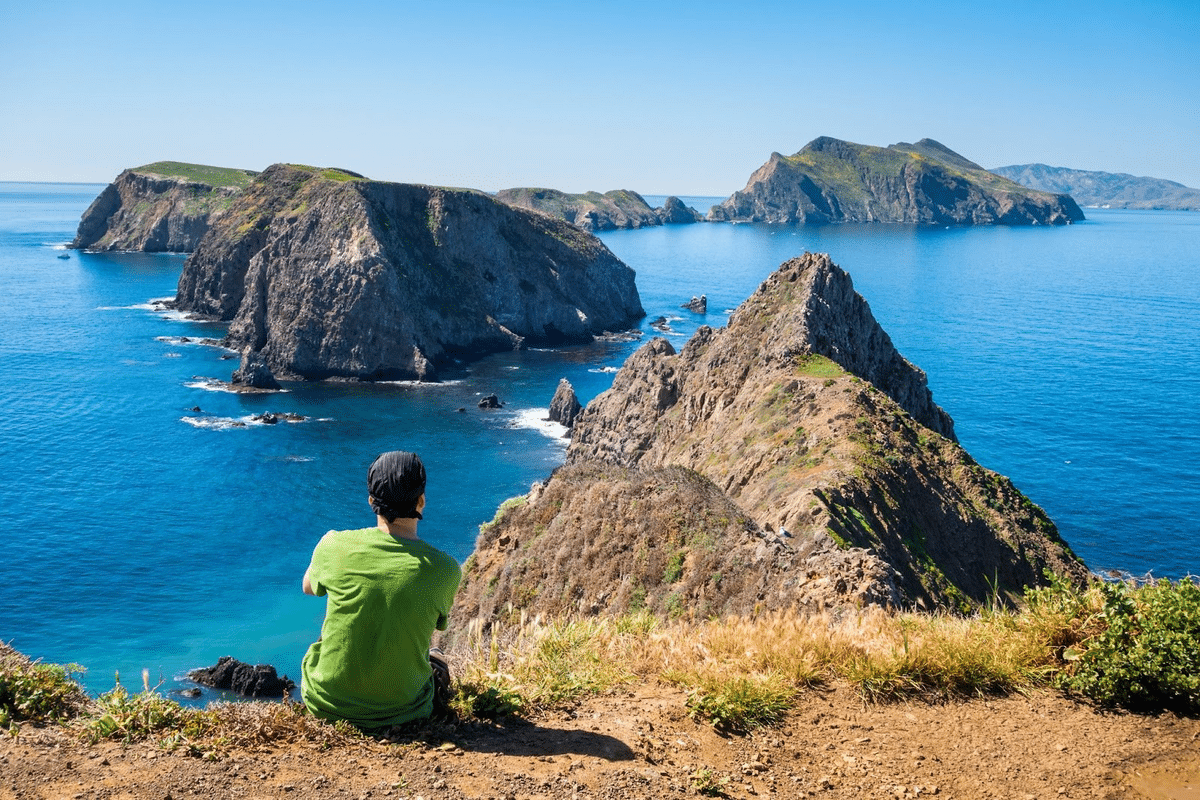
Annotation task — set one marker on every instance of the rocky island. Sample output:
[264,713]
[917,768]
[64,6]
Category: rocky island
[1105,189]
[166,206]
[793,459]
[926,183]
[593,211]
[325,274]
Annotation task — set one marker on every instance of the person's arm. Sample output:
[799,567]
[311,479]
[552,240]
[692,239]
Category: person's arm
[306,585]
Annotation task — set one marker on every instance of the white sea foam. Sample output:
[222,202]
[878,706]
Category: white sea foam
[604,369]
[188,341]
[537,419]
[210,385]
[421,384]
[241,423]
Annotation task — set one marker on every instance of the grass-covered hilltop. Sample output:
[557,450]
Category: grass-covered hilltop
[166,206]
[926,183]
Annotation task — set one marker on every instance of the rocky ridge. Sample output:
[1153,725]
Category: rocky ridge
[167,206]
[926,183]
[593,211]
[324,274]
[1105,189]
[792,459]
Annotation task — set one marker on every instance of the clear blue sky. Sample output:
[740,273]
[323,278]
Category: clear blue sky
[662,97]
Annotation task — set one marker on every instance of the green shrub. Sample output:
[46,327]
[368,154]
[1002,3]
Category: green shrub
[487,699]
[1147,656]
[135,717]
[740,703]
[36,692]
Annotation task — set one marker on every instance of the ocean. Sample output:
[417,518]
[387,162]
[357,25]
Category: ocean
[152,524]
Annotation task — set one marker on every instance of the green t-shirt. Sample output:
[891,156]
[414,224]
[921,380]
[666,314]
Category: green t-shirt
[385,596]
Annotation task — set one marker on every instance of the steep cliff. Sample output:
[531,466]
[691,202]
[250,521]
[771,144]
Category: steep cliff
[324,274]
[831,180]
[1105,189]
[594,211]
[167,206]
[793,458]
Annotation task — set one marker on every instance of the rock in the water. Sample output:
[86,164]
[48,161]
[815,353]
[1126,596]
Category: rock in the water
[674,212]
[926,183]
[565,406]
[162,207]
[697,304]
[255,374]
[249,680]
[491,401]
[327,275]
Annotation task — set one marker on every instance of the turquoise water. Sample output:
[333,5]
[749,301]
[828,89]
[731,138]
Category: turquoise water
[144,534]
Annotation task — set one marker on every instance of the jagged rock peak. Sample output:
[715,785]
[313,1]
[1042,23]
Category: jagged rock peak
[565,407]
[809,306]
[802,412]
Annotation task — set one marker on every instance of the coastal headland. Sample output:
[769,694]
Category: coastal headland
[324,274]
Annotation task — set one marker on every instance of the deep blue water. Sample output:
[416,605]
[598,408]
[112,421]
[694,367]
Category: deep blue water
[143,534]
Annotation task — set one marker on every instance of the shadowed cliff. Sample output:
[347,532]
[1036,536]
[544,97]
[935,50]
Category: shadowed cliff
[324,274]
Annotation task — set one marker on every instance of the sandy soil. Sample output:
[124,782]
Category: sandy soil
[643,745]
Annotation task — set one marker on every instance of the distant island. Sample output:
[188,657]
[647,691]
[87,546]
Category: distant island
[593,211]
[832,181]
[323,274]
[1105,189]
[164,207]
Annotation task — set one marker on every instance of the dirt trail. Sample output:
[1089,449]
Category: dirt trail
[643,745]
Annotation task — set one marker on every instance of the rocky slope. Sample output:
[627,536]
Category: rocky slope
[1105,189]
[792,459]
[594,211]
[324,274]
[167,206]
[831,180]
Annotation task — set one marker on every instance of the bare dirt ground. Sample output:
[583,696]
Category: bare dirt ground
[643,745]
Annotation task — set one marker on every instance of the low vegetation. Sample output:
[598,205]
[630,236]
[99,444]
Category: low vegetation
[201,173]
[1117,644]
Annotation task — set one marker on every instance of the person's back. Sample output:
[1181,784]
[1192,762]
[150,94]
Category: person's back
[386,593]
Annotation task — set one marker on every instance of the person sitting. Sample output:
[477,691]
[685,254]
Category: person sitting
[386,591]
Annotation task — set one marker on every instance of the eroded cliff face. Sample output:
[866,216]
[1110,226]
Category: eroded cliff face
[149,210]
[817,460]
[327,275]
[926,183]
